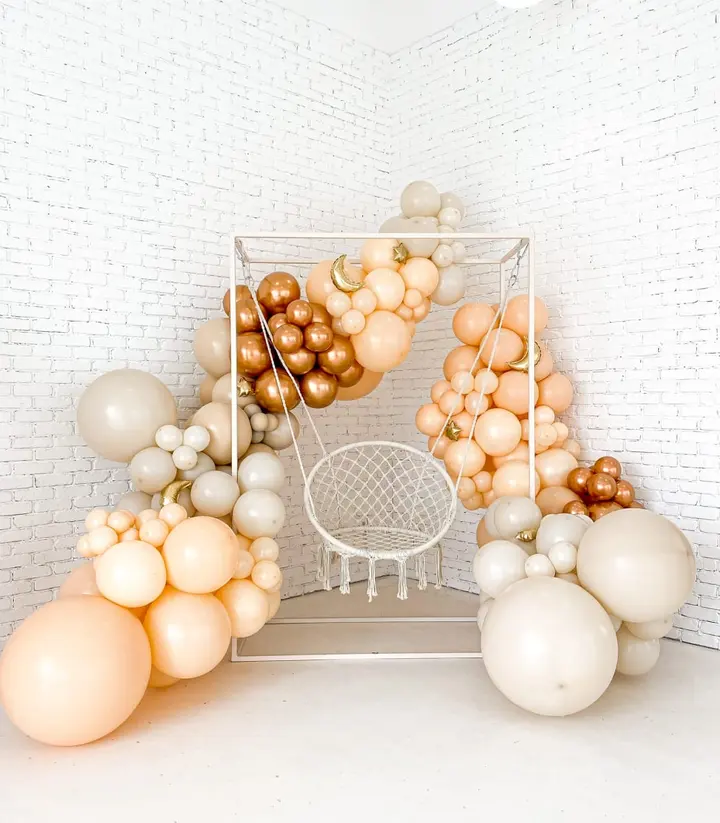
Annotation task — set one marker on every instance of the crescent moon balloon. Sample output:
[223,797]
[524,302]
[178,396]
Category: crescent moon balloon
[523,364]
[171,492]
[340,278]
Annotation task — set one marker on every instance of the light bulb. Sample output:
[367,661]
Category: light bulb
[518,4]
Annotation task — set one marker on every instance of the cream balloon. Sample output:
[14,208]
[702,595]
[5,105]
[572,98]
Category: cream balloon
[651,630]
[508,516]
[152,469]
[451,286]
[384,342]
[538,565]
[563,556]
[483,612]
[549,647]
[637,564]
[201,555]
[266,574]
[212,346]
[636,656]
[168,437]
[214,493]
[450,200]
[197,437]
[497,565]
[204,464]
[420,199]
[264,548]
[261,471]
[247,606]
[281,437]
[560,528]
[216,418]
[119,413]
[258,513]
[134,502]
[131,574]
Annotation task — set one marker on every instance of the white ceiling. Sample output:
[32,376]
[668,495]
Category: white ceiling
[387,25]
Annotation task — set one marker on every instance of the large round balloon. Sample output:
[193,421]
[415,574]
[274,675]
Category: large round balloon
[258,513]
[638,564]
[201,554]
[212,346]
[549,646]
[261,471]
[420,199]
[215,417]
[74,670]
[384,342]
[81,580]
[131,574]
[247,606]
[119,413]
[497,565]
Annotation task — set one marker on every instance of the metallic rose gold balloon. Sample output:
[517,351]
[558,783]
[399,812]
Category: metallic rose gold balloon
[277,291]
[598,510]
[300,313]
[288,338]
[277,320]
[241,293]
[268,395]
[253,357]
[577,480]
[601,487]
[320,314]
[301,361]
[608,465]
[625,493]
[318,337]
[319,389]
[351,377]
[338,358]
[575,507]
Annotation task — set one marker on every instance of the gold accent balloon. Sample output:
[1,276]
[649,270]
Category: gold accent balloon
[288,338]
[300,313]
[339,277]
[608,465]
[318,337]
[523,362]
[452,431]
[171,492]
[300,361]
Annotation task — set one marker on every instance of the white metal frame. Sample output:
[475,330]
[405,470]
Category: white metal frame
[522,246]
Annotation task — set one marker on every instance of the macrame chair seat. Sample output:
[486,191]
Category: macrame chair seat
[376,501]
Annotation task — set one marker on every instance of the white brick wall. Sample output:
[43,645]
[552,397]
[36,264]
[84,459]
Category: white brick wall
[596,123]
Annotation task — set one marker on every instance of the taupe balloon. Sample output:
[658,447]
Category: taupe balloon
[212,346]
[216,419]
[281,438]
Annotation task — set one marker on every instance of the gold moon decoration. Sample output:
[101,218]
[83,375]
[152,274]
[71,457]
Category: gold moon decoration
[400,253]
[452,431]
[245,387]
[523,364]
[171,492]
[339,277]
[526,536]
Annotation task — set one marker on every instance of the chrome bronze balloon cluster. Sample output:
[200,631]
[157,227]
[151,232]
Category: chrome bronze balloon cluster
[601,489]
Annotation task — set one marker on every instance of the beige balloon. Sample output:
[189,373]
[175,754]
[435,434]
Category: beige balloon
[81,580]
[212,346]
[214,493]
[247,606]
[636,656]
[189,633]
[207,386]
[637,564]
[201,555]
[74,670]
[131,573]
[549,647]
[134,502]
[508,516]
[420,199]
[119,413]
[216,418]
[497,565]
[152,469]
[652,629]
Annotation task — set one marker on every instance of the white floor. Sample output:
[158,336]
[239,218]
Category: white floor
[408,740]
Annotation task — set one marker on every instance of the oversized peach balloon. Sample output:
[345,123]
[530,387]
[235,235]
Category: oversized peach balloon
[461,358]
[74,670]
[556,391]
[553,499]
[517,316]
[384,342]
[388,287]
[189,633]
[498,432]
[201,554]
[513,479]
[383,253]
[320,286]
[472,322]
[464,457]
[421,274]
[509,348]
[430,420]
[131,573]
[553,466]
[513,392]
[369,381]
[216,418]
[81,580]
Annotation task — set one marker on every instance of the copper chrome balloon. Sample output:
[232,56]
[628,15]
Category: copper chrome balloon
[277,320]
[300,362]
[636,505]
[340,279]
[268,394]
[318,337]
[277,290]
[598,510]
[246,316]
[321,314]
[338,358]
[608,465]
[625,493]
[351,377]
[241,293]
[300,313]
[523,362]
[578,478]
[253,357]
[601,487]
[288,338]
[575,507]
[319,389]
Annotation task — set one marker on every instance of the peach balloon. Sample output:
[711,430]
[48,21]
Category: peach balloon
[430,420]
[405,312]
[274,599]
[130,534]
[573,447]
[154,532]
[384,342]
[246,605]
[352,322]
[464,451]
[369,381]
[364,301]
[74,670]
[389,288]
[517,315]
[413,298]
[382,253]
[556,391]
[131,574]
[513,392]
[477,403]
[509,347]
[553,499]
[482,481]
[520,452]
[545,435]
[466,489]
[201,554]
[498,432]
[544,414]
[465,421]
[513,479]
[486,382]
[438,390]
[244,565]
[121,520]
[189,633]
[266,575]
[472,322]
[462,382]
[160,680]
[421,274]
[562,432]
[451,403]
[441,448]
[173,514]
[489,498]
[553,466]
[460,359]
[474,502]
[319,284]
[545,364]
[337,304]
[81,580]
[421,312]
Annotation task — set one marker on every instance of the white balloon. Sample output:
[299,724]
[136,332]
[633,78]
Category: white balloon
[497,565]
[452,201]
[550,648]
[281,438]
[214,493]
[420,199]
[421,247]
[168,437]
[483,612]
[570,577]
[459,251]
[185,457]
[507,516]
[261,471]
[450,216]
[563,556]
[636,656]
[652,629]
[442,256]
[197,437]
[538,565]
[204,464]
[134,502]
[152,469]
[560,528]
[258,513]
[616,621]
[451,286]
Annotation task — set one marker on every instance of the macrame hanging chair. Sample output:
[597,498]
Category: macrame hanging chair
[376,500]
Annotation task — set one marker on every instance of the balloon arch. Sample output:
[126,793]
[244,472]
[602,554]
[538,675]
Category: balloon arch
[570,567]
